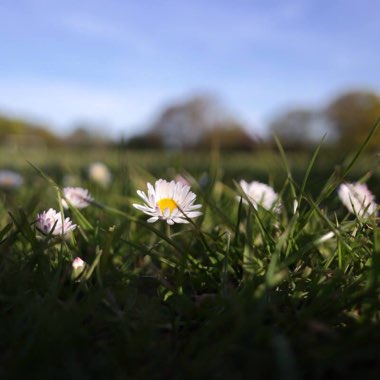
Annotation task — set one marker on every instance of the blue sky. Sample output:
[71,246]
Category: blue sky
[117,63]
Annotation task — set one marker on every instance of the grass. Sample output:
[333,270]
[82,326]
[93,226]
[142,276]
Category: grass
[238,293]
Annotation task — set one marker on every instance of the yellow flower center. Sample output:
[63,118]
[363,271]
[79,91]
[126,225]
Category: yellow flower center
[165,203]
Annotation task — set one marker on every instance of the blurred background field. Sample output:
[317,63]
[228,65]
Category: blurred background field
[133,169]
[262,164]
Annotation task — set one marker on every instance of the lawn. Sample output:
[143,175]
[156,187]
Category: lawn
[240,291]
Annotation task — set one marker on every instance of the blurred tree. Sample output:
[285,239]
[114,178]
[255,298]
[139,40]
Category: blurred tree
[295,128]
[352,115]
[145,141]
[230,136]
[21,132]
[86,136]
[183,124]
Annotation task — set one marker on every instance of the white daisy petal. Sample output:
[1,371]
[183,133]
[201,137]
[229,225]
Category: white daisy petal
[189,198]
[143,196]
[151,190]
[145,209]
[260,194]
[180,220]
[357,199]
[140,207]
[193,214]
[195,207]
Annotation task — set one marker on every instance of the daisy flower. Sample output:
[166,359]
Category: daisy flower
[358,199]
[99,173]
[10,180]
[76,196]
[170,201]
[53,222]
[261,194]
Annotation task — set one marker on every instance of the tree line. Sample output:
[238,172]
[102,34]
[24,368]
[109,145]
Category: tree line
[202,122]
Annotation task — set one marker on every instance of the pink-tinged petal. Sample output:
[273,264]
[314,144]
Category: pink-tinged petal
[78,263]
[52,222]
[76,197]
[151,191]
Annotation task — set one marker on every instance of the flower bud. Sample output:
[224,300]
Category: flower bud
[78,268]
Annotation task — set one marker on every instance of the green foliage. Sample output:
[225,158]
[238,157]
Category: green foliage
[239,292]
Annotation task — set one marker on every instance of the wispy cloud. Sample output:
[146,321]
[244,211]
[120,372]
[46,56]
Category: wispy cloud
[104,29]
